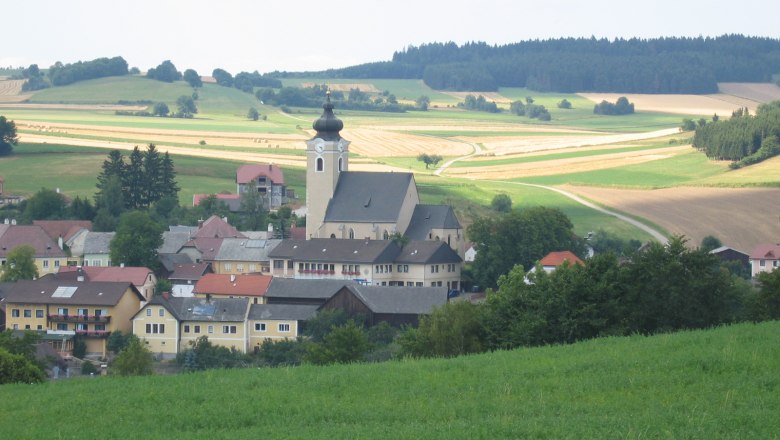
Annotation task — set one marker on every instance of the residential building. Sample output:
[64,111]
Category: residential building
[142,278]
[374,262]
[170,325]
[68,308]
[241,255]
[552,261]
[265,179]
[61,231]
[396,306]
[97,249]
[277,322]
[366,205]
[302,292]
[764,258]
[185,276]
[250,286]
[48,256]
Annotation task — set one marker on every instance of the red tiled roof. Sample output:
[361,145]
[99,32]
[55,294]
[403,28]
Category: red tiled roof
[557,258]
[32,235]
[208,247]
[63,228]
[247,173]
[226,284]
[215,227]
[766,252]
[135,275]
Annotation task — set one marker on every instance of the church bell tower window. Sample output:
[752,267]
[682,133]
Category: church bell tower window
[320,164]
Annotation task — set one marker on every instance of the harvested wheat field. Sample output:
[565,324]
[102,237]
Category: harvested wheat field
[758,92]
[11,91]
[566,166]
[705,105]
[740,217]
[382,143]
[346,87]
[111,107]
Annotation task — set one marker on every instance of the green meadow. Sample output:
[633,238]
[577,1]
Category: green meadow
[720,383]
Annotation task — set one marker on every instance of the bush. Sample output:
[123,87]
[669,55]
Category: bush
[88,368]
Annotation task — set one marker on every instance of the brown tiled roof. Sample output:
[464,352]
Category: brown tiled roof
[247,173]
[63,228]
[32,235]
[85,293]
[208,247]
[215,227]
[135,275]
[193,271]
[226,284]
[557,258]
[298,232]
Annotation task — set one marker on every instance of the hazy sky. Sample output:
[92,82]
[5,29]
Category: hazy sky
[267,35]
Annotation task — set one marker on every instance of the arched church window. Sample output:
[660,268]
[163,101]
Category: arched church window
[332,235]
[320,164]
[386,236]
[449,238]
[341,163]
[351,234]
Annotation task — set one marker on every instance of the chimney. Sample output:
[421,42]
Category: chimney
[270,227]
[232,278]
[13,221]
[166,295]
[79,274]
[121,264]
[208,297]
[200,223]
[6,221]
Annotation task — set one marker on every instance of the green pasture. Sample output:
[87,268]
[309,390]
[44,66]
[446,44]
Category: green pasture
[720,383]
[691,168]
[74,170]
[488,133]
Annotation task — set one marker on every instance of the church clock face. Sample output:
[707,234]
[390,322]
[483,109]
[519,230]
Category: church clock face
[319,145]
[342,145]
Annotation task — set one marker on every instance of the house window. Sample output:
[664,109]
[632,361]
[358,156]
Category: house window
[227,266]
[82,312]
[409,284]
[100,327]
[15,313]
[162,311]
[762,263]
[45,264]
[96,263]
[211,329]
[196,329]
[259,326]
[62,311]
[253,268]
[56,263]
[278,264]
[284,327]
[155,328]
[82,327]
[357,269]
[148,312]
[40,327]
[418,284]
[239,267]
[27,313]
[186,328]
[290,264]
[62,326]
[39,313]
[320,164]
[226,329]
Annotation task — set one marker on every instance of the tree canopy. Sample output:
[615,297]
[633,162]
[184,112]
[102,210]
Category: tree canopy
[165,72]
[192,78]
[136,241]
[20,264]
[8,137]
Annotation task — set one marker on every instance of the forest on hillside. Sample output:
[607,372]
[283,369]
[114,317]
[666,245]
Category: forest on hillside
[659,65]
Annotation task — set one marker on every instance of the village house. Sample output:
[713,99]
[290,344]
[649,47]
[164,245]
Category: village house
[62,231]
[265,179]
[185,276]
[764,258]
[97,249]
[170,325]
[302,292]
[552,261]
[142,278]
[249,286]
[242,255]
[366,205]
[65,309]
[277,322]
[48,256]
[376,262]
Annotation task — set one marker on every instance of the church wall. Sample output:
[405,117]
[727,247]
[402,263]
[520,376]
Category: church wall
[457,240]
[370,231]
[411,200]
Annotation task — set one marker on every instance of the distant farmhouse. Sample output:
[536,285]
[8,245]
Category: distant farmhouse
[265,179]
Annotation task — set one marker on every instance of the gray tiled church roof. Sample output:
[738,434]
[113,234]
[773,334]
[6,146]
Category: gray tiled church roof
[427,217]
[368,197]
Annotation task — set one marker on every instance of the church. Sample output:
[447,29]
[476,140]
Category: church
[345,204]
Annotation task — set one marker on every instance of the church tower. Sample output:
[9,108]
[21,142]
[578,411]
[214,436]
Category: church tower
[327,155]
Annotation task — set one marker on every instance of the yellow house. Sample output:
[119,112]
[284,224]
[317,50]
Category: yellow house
[48,256]
[238,256]
[169,325]
[82,309]
[277,321]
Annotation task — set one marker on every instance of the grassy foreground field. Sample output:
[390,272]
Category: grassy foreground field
[720,383]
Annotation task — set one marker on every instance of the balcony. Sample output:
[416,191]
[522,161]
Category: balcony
[93,333]
[80,318]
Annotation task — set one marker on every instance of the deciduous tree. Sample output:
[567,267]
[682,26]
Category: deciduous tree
[192,78]
[134,360]
[8,136]
[136,241]
[20,264]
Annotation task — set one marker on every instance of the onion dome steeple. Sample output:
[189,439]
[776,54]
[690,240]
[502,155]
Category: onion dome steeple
[328,125]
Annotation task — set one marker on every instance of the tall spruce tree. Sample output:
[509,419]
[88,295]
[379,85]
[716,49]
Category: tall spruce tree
[135,180]
[114,165]
[168,185]
[152,190]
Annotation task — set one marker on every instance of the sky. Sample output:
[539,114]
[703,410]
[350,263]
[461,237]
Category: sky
[297,35]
